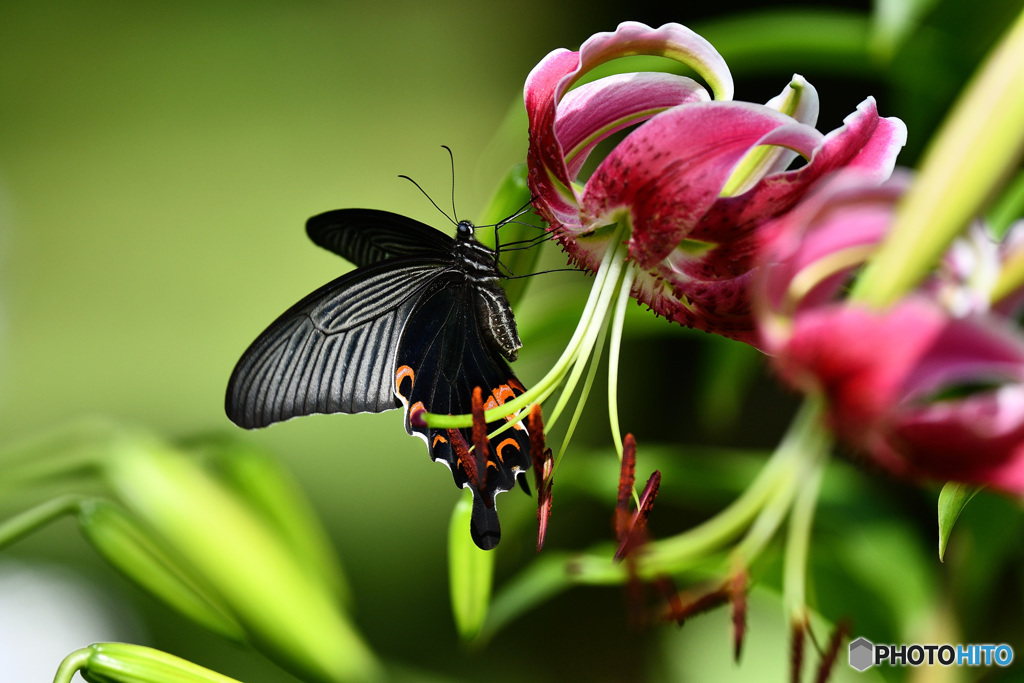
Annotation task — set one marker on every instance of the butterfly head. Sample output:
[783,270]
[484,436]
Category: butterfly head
[464,230]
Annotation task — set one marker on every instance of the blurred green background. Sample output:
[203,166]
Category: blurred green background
[157,164]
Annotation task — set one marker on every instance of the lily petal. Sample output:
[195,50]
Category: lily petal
[798,100]
[668,173]
[550,180]
[590,113]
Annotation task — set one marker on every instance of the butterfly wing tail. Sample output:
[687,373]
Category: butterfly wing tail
[483,525]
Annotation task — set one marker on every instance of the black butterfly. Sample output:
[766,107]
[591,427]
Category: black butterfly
[419,323]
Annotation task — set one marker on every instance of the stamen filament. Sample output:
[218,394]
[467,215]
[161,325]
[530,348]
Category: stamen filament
[595,359]
[618,319]
[798,540]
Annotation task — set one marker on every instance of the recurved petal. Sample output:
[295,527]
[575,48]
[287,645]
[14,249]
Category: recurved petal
[978,439]
[808,254]
[866,144]
[799,100]
[593,111]
[673,41]
[666,174]
[550,179]
[859,359]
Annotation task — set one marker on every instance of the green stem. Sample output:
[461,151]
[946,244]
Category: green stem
[798,541]
[71,665]
[35,518]
[595,327]
[773,481]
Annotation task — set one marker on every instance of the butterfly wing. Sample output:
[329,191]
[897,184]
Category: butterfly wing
[365,236]
[333,351]
[442,357]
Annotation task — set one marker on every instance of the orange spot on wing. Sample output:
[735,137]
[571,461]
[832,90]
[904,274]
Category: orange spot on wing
[400,374]
[503,392]
[438,439]
[511,443]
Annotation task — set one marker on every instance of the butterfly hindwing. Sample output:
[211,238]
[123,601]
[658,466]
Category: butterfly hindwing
[334,351]
[365,236]
[441,359]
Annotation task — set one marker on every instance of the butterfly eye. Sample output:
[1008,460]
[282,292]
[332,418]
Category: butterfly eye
[465,229]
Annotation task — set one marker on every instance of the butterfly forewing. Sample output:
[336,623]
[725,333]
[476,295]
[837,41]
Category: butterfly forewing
[333,351]
[365,236]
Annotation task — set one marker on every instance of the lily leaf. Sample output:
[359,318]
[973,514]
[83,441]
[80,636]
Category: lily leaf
[952,500]
[470,572]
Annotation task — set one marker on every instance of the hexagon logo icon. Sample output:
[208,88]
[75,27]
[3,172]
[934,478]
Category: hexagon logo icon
[862,654]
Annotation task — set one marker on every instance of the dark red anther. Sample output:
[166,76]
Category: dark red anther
[842,631]
[673,600]
[738,595]
[636,526]
[686,605]
[538,449]
[543,466]
[798,636]
[480,443]
[543,510]
[464,457]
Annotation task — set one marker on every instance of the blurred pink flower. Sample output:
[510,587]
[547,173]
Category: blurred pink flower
[695,181]
[933,387]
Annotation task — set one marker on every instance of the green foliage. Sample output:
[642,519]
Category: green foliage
[470,572]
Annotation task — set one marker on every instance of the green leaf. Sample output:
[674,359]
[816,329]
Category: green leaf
[893,21]
[288,615]
[953,498]
[470,572]
[270,490]
[139,555]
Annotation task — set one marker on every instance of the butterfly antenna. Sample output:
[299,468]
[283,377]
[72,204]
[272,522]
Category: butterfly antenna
[451,157]
[428,198]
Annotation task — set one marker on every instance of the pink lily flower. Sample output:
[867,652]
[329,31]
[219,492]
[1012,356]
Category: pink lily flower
[932,387]
[697,177]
